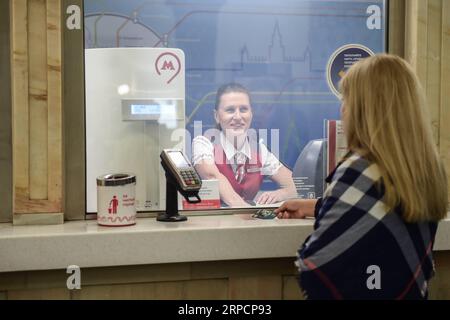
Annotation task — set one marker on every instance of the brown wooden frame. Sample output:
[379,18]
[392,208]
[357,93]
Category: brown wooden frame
[74,119]
[5,117]
[36,94]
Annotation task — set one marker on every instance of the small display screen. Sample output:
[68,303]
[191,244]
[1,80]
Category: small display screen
[145,109]
[178,159]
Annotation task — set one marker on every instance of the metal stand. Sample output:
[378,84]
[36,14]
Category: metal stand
[171,214]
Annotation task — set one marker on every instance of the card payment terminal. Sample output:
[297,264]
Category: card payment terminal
[180,176]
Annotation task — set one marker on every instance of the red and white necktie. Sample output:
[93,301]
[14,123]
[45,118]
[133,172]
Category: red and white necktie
[240,159]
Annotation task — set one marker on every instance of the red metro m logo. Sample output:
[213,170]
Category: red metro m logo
[168,64]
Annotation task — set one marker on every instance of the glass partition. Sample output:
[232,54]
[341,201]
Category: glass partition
[250,85]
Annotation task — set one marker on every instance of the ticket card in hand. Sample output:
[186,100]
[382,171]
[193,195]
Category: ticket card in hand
[265,214]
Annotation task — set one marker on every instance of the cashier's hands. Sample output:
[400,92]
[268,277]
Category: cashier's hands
[270,197]
[296,209]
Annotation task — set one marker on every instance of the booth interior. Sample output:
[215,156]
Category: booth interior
[134,112]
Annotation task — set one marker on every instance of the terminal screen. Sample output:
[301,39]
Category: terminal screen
[178,159]
[145,109]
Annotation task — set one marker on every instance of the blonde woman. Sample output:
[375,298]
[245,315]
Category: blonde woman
[375,226]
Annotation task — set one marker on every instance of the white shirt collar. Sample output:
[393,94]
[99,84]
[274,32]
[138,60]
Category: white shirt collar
[230,150]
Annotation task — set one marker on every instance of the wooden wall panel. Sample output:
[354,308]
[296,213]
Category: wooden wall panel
[153,291]
[255,287]
[427,48]
[416,32]
[215,289]
[5,116]
[40,294]
[444,127]
[19,83]
[121,282]
[434,45]
[37,106]
[396,34]
[74,121]
[419,38]
[291,289]
[37,99]
[54,81]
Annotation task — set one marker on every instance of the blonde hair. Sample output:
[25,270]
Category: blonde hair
[385,120]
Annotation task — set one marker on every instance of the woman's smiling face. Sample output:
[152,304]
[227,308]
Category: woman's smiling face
[234,113]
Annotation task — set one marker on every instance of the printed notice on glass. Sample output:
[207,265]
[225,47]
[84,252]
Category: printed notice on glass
[337,145]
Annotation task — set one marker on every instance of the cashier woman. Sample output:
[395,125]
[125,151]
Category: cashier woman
[234,159]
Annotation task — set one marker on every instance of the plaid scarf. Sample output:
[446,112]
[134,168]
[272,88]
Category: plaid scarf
[359,249]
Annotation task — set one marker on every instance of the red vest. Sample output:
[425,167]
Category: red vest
[252,181]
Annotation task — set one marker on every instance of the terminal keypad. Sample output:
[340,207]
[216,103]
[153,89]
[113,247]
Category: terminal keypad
[190,177]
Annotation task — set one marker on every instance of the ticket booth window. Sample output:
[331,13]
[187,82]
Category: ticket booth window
[278,62]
